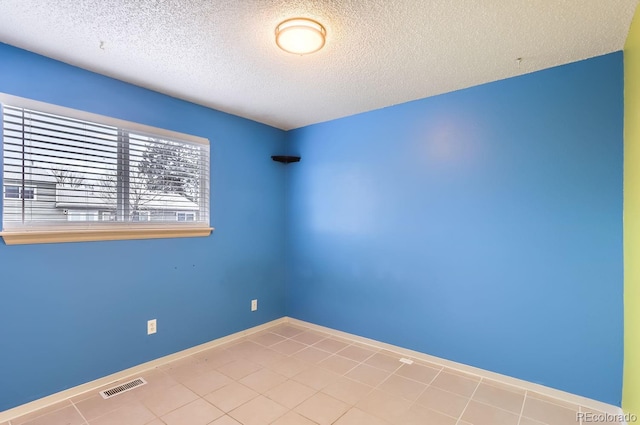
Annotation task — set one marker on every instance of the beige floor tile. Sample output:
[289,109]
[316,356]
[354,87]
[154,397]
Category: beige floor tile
[198,412]
[207,382]
[367,346]
[420,415]
[262,380]
[355,352]
[244,348]
[504,386]
[385,406]
[240,368]
[384,362]
[156,380]
[368,375]
[225,420]
[322,409]
[347,390]
[290,393]
[483,414]
[538,396]
[403,387]
[455,383]
[527,421]
[267,338]
[288,347]
[60,414]
[166,400]
[230,396]
[293,418]
[307,378]
[259,411]
[133,414]
[499,397]
[443,401]
[331,345]
[155,422]
[265,357]
[338,364]
[311,355]
[185,369]
[289,366]
[316,378]
[87,394]
[216,357]
[418,372]
[41,412]
[549,413]
[428,364]
[356,416]
[461,373]
[96,406]
[287,331]
[309,337]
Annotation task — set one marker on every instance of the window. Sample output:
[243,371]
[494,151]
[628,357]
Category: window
[95,174]
[18,192]
[82,215]
[186,216]
[142,216]
[107,216]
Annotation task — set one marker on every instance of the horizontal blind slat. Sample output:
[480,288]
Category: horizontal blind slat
[69,171]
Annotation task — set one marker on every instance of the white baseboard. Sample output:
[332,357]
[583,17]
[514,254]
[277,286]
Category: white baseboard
[525,385]
[94,385]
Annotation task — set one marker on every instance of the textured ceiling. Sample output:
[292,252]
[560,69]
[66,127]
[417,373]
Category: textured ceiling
[222,53]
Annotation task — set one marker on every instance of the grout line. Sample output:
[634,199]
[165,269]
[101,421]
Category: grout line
[425,388]
[439,368]
[469,402]
[500,408]
[556,402]
[563,397]
[580,411]
[524,400]
[79,412]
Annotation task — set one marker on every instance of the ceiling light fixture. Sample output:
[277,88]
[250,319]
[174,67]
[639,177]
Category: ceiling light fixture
[300,36]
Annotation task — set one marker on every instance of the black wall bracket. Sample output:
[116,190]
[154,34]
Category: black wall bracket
[285,159]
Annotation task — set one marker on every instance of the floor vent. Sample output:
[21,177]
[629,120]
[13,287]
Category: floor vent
[406,361]
[123,388]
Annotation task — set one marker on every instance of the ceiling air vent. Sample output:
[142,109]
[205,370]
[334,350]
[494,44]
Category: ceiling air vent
[123,388]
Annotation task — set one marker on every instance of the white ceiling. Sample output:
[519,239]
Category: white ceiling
[222,53]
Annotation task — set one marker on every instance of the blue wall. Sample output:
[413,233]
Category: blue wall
[483,226]
[70,313]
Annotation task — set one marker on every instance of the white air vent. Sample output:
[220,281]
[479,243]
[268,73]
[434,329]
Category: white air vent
[123,388]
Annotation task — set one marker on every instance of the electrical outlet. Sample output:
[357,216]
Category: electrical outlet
[254,305]
[152,327]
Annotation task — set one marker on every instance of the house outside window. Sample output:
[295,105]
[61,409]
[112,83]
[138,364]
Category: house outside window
[142,216]
[19,192]
[97,171]
[186,216]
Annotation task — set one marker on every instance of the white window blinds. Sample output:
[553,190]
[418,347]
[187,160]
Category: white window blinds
[62,170]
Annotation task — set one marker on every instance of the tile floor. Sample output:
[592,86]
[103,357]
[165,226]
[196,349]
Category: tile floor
[290,375]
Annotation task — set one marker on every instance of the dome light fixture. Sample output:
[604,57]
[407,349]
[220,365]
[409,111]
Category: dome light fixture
[300,36]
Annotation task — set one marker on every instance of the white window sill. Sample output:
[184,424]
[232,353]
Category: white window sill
[23,237]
